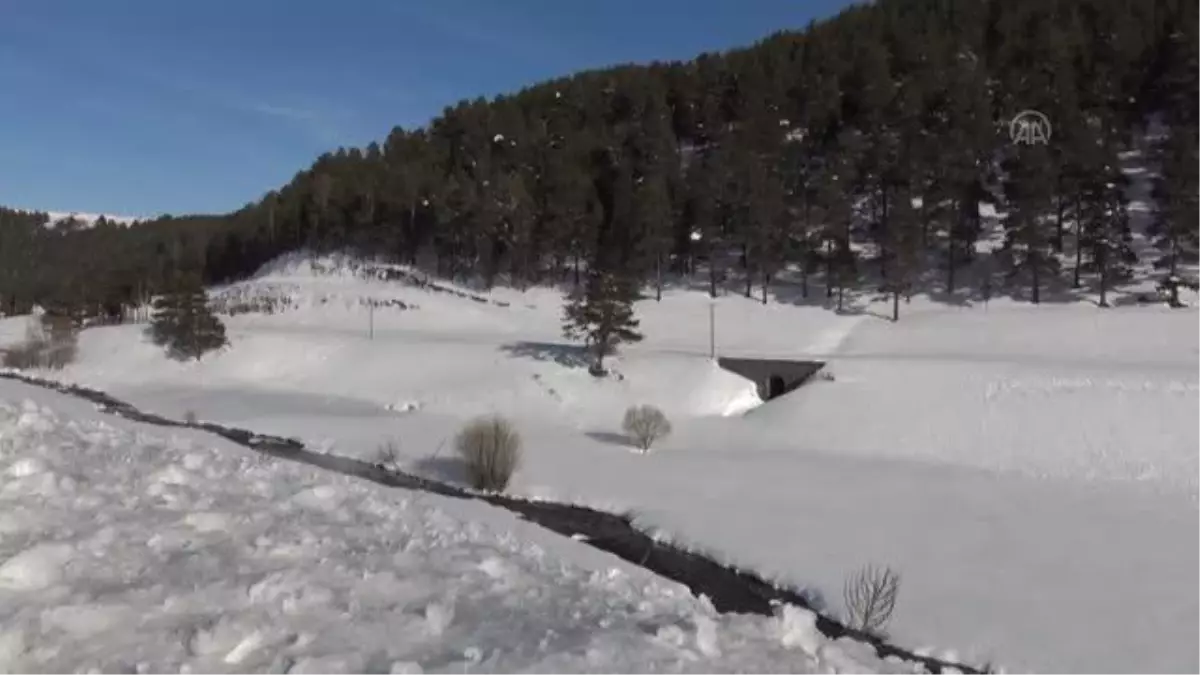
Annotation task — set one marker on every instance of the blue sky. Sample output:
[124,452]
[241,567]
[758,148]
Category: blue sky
[142,107]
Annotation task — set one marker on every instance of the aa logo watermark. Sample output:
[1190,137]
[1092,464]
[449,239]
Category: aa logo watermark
[1030,127]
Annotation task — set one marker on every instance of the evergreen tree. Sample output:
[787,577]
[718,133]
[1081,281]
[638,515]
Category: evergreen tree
[1103,212]
[837,189]
[183,322]
[767,223]
[1175,229]
[903,248]
[602,316]
[1028,243]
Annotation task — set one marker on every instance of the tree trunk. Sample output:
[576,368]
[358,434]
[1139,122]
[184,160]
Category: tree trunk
[1102,263]
[658,277]
[1076,282]
[410,239]
[1060,227]
[1173,270]
[766,281]
[805,253]
[896,304]
[1036,282]
[884,233]
[829,281]
[712,272]
[951,248]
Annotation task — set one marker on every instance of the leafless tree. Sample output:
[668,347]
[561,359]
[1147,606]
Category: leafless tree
[870,597]
[645,424]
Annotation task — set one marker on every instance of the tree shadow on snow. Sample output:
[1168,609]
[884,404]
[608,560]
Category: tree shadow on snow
[571,356]
[445,469]
[609,438]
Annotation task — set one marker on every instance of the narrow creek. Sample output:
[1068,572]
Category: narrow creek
[730,590]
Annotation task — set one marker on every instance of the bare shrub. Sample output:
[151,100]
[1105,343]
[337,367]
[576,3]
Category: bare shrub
[826,375]
[870,597]
[189,417]
[490,447]
[645,424]
[388,454]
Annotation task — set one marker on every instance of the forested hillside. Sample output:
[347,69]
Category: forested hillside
[856,152]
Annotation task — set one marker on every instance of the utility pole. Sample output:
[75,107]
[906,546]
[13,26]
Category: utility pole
[712,329]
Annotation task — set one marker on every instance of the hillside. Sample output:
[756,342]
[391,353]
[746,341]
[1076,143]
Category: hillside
[857,153]
[1048,449]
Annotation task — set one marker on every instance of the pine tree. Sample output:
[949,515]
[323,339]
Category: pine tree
[963,152]
[184,324]
[903,248]
[1028,244]
[1175,229]
[1104,220]
[714,199]
[602,316]
[836,190]
[1103,211]
[652,149]
[767,231]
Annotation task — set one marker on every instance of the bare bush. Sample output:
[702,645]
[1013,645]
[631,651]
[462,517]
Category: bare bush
[189,417]
[870,597]
[388,454]
[645,424]
[490,448]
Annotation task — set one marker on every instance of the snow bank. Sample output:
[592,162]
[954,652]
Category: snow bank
[127,551]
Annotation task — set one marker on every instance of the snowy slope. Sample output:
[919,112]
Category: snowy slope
[123,550]
[88,219]
[1016,463]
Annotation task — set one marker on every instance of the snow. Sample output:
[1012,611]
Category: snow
[89,219]
[127,548]
[1030,470]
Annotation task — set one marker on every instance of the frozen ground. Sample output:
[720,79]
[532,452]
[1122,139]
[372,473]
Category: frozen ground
[126,548]
[1031,471]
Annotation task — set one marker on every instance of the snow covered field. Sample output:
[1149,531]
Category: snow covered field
[1031,471]
[126,548]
